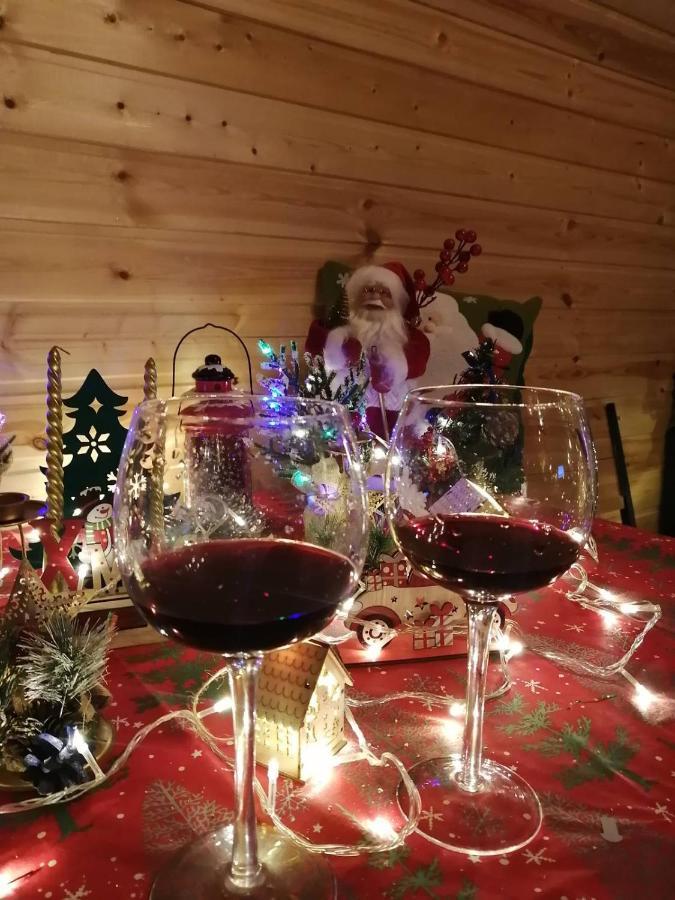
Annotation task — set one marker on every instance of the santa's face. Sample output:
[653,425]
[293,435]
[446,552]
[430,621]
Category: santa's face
[374,297]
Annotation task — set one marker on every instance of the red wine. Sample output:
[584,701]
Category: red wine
[243,595]
[494,554]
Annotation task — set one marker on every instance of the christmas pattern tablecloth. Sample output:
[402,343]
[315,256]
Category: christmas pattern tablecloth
[600,758]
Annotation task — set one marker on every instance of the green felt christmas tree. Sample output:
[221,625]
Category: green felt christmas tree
[94,443]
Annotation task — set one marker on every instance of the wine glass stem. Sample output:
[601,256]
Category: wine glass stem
[480,620]
[245,870]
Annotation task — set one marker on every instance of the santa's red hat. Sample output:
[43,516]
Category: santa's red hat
[392,275]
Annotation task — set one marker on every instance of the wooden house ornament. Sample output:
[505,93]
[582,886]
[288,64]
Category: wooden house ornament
[301,707]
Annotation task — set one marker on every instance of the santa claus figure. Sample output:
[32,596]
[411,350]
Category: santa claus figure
[382,307]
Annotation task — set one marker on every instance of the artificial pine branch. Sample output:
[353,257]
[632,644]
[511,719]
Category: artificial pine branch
[64,662]
[380,543]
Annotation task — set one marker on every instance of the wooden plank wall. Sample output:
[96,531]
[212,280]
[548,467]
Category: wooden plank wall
[168,162]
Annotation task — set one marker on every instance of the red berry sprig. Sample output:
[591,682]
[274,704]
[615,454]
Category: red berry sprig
[454,257]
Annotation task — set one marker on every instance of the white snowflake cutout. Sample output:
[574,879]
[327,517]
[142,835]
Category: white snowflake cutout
[94,444]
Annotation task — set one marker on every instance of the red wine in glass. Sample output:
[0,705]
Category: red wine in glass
[244,595]
[489,554]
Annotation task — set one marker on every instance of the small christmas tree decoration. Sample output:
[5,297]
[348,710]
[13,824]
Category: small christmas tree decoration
[94,444]
[480,365]
[299,731]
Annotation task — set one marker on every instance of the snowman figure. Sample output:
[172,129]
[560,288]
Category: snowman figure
[98,566]
[450,335]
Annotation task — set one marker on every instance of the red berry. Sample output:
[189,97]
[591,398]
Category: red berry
[448,243]
[419,275]
[464,256]
[420,285]
[445,255]
[459,234]
[476,250]
[439,266]
[470,236]
[462,267]
[448,277]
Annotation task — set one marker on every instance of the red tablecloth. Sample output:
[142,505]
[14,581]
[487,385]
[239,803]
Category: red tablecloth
[605,770]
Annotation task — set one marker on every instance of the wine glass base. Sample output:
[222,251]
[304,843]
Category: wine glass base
[502,816]
[200,872]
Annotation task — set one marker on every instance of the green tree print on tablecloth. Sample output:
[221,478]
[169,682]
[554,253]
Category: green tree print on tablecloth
[423,879]
[597,762]
[592,761]
[183,675]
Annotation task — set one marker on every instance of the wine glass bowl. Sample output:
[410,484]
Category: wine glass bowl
[490,490]
[240,527]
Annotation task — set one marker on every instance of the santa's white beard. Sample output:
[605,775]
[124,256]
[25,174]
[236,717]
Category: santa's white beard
[381,328]
[384,329]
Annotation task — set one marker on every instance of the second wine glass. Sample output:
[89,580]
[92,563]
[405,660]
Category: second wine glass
[490,491]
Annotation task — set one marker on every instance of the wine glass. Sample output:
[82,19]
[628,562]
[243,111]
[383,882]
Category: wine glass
[223,546]
[490,490]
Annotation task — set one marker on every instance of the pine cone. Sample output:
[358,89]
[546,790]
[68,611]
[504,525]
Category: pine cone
[502,429]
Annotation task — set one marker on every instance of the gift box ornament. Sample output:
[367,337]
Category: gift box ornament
[300,708]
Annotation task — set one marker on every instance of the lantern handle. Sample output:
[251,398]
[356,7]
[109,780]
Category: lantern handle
[201,328]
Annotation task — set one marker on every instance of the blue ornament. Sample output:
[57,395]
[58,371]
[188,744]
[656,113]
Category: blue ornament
[53,764]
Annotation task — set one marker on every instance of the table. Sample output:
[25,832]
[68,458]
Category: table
[603,767]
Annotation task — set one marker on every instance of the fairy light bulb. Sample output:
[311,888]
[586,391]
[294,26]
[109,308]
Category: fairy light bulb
[222,705]
[643,698]
[317,765]
[381,828]
[6,884]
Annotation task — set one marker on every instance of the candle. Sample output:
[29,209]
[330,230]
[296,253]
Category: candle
[150,380]
[54,442]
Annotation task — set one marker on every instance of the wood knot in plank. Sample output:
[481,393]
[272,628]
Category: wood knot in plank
[441,39]
[10,102]
[121,104]
[2,22]
[373,241]
[122,175]
[110,18]
[123,274]
[566,299]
